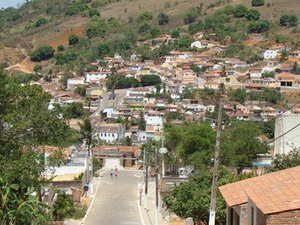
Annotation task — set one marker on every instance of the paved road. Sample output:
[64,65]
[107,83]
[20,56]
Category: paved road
[116,200]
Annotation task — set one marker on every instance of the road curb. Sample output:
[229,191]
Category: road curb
[90,207]
[140,212]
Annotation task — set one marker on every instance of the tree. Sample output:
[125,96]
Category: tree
[86,131]
[42,53]
[127,141]
[258,26]
[257,2]
[288,20]
[268,74]
[144,17]
[154,32]
[195,27]
[192,143]
[96,28]
[252,14]
[81,91]
[73,110]
[192,198]
[284,161]
[239,95]
[240,145]
[65,57]
[149,80]
[240,11]
[73,39]
[163,19]
[26,126]
[191,15]
[76,7]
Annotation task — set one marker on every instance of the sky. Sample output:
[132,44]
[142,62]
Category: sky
[8,3]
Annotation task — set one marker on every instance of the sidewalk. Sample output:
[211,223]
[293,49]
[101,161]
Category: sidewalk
[148,208]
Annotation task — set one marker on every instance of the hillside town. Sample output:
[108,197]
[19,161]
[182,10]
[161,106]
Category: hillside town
[177,115]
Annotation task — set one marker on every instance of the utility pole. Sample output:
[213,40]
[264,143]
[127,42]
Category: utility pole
[213,199]
[156,189]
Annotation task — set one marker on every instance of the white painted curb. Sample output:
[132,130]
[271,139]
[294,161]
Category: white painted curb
[90,207]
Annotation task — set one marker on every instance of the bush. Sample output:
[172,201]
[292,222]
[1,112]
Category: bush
[76,8]
[73,39]
[40,22]
[257,2]
[42,53]
[94,12]
[191,15]
[259,26]
[73,110]
[175,34]
[240,11]
[60,48]
[252,14]
[288,20]
[163,19]
[119,82]
[145,16]
[154,32]
[149,80]
[144,28]
[65,57]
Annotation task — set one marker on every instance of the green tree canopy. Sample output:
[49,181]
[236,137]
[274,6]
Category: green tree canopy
[42,53]
[149,80]
[240,145]
[41,21]
[258,26]
[26,124]
[252,14]
[288,20]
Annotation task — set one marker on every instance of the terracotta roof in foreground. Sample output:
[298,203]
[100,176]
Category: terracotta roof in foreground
[272,193]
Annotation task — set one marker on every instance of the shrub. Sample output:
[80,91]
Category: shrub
[191,15]
[259,26]
[94,12]
[257,2]
[175,34]
[144,28]
[195,27]
[163,19]
[76,8]
[60,48]
[145,16]
[73,39]
[252,14]
[42,53]
[240,11]
[96,28]
[65,57]
[288,20]
[40,21]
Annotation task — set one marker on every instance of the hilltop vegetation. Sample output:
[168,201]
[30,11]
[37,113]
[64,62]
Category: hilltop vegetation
[103,27]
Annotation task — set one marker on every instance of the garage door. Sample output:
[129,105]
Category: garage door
[111,163]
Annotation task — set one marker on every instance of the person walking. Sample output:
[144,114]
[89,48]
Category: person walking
[116,171]
[111,173]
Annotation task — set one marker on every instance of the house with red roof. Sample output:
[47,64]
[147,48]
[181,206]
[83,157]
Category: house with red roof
[270,199]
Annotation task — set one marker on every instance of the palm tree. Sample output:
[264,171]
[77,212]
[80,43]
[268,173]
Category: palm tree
[86,132]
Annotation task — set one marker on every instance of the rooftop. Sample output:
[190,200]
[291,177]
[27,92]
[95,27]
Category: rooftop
[272,193]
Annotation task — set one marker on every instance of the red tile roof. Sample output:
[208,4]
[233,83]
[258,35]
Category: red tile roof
[271,193]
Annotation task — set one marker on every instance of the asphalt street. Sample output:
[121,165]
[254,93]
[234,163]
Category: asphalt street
[116,200]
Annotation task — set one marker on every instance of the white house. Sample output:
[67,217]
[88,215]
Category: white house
[198,44]
[155,119]
[72,83]
[255,72]
[96,76]
[111,132]
[270,54]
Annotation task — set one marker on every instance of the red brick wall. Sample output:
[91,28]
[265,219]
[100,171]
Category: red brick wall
[285,218]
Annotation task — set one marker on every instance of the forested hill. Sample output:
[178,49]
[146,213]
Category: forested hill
[44,22]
